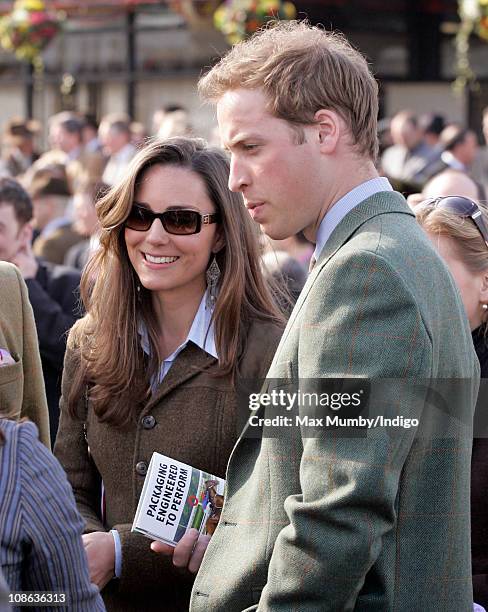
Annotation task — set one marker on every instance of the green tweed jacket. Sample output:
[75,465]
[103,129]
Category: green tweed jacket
[373,523]
[21,384]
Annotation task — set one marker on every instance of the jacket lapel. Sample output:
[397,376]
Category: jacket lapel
[189,363]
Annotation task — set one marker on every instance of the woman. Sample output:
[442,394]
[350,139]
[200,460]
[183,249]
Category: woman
[177,313]
[40,528]
[458,228]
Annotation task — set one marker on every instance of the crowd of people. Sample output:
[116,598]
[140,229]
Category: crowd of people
[145,275]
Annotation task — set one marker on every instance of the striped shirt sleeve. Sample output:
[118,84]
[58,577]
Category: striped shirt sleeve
[51,527]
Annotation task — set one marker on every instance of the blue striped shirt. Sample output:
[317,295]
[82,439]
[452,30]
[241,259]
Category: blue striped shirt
[40,528]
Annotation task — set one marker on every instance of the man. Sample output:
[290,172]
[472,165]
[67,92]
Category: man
[406,159]
[20,151]
[331,521]
[480,164]
[53,290]
[21,385]
[115,135]
[51,198]
[459,148]
[448,182]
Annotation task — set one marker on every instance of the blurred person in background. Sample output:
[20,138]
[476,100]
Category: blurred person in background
[177,313]
[458,228]
[448,182]
[40,529]
[160,113]
[405,161]
[459,149]
[51,198]
[18,151]
[432,125]
[85,221]
[138,134]
[115,135]
[53,289]
[89,134]
[175,123]
[22,391]
[480,165]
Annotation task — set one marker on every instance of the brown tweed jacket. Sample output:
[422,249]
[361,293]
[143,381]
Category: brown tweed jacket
[54,247]
[194,421]
[21,384]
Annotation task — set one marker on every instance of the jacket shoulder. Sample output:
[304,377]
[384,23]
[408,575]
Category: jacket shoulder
[261,343]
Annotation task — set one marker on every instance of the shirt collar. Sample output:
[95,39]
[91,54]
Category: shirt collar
[344,205]
[55,224]
[202,333]
[449,159]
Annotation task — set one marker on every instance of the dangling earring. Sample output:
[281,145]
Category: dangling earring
[484,306]
[138,292]
[213,276]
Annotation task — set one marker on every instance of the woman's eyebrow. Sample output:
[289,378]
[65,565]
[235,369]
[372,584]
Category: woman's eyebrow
[172,207]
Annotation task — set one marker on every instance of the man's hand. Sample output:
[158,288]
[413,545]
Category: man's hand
[188,552]
[26,262]
[100,551]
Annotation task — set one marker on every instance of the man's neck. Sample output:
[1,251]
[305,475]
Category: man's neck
[348,179]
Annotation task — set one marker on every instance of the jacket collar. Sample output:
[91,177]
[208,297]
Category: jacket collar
[191,361]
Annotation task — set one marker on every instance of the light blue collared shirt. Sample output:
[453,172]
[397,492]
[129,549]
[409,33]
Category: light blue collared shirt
[202,334]
[343,206]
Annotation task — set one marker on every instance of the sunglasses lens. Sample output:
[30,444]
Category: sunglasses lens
[181,221]
[139,219]
[458,204]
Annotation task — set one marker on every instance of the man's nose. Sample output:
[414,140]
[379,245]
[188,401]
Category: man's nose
[238,175]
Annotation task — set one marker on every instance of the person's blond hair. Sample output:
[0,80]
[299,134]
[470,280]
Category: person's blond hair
[112,360]
[302,69]
[465,236]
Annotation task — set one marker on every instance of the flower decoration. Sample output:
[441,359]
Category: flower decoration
[474,18]
[238,19]
[28,29]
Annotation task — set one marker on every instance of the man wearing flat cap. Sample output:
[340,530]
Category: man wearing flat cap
[19,152]
[50,197]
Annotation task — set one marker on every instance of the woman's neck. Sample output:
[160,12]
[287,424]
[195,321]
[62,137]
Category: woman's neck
[175,313]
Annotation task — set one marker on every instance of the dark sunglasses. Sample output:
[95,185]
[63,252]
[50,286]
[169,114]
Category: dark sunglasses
[464,207]
[178,222]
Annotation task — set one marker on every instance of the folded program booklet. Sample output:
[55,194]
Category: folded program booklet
[176,497]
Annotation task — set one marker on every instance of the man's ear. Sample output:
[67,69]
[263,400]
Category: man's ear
[329,127]
[26,233]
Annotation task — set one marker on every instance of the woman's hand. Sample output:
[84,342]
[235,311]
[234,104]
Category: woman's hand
[188,552]
[100,551]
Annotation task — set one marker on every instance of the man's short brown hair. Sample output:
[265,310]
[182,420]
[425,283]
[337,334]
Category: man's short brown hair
[302,69]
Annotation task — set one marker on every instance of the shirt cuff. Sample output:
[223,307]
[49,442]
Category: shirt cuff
[118,552]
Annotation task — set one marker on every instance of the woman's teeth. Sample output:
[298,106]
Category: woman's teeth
[159,260]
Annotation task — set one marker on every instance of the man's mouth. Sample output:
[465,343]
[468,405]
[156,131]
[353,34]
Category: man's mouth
[159,260]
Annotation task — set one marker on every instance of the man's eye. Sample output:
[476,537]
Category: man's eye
[250,147]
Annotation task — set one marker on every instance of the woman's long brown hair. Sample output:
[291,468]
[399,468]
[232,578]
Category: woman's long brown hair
[106,339]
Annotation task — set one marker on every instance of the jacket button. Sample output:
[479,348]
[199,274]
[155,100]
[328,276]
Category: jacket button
[141,468]
[148,422]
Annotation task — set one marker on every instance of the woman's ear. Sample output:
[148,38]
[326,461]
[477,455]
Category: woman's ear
[219,241]
[483,294]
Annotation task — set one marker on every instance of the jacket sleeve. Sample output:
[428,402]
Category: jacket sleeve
[54,318]
[34,404]
[52,530]
[348,484]
[72,451]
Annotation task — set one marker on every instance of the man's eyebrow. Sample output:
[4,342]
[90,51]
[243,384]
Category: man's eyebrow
[241,139]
